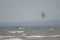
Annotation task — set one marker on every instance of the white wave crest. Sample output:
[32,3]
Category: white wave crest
[14,39]
[20,31]
[54,36]
[15,31]
[5,36]
[36,36]
[11,31]
[20,28]
[51,29]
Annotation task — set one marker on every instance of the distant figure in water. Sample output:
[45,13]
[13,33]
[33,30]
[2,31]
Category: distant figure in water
[17,27]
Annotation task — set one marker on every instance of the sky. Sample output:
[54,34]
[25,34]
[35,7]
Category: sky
[29,10]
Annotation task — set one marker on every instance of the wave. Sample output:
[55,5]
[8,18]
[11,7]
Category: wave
[36,36]
[14,39]
[15,31]
[20,28]
[5,36]
[11,38]
[51,29]
[54,36]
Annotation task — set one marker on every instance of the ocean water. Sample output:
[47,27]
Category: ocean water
[30,33]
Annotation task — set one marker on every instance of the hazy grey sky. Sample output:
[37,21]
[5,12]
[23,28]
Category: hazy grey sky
[28,10]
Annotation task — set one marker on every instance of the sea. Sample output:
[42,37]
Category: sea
[29,32]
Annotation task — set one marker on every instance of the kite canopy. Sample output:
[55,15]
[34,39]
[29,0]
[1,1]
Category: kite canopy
[43,14]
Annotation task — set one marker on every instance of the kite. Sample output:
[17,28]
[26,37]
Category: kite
[43,15]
